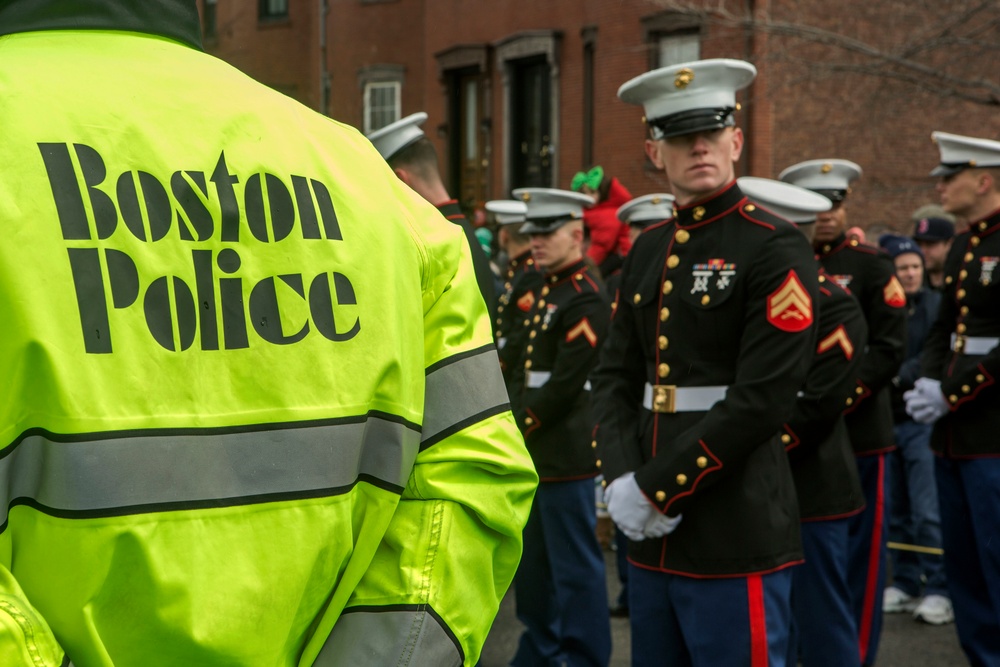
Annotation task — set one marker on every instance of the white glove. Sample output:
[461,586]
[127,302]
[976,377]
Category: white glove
[633,513]
[925,402]
[628,507]
[659,525]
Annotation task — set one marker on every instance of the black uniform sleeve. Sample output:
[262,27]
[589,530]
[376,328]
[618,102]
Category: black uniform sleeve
[831,379]
[938,343]
[771,367]
[582,329]
[618,383]
[884,305]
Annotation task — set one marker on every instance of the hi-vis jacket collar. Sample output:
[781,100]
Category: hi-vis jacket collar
[173,19]
[706,210]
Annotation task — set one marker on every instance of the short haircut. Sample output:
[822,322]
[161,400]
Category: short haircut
[419,157]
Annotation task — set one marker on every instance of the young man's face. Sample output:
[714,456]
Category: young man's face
[697,164]
[558,249]
[958,192]
[830,224]
[910,271]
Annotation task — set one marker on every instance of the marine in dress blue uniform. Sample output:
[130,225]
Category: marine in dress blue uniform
[711,340]
[824,633]
[869,275]
[560,589]
[958,392]
[414,160]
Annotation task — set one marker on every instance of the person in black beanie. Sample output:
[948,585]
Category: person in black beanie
[914,516]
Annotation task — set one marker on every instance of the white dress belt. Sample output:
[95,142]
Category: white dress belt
[669,399]
[973,344]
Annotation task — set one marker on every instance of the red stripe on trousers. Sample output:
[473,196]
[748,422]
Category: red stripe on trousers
[758,622]
[874,553]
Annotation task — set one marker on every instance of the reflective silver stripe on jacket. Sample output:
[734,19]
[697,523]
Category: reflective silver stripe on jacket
[689,399]
[394,636]
[974,344]
[538,379]
[136,472]
[462,390]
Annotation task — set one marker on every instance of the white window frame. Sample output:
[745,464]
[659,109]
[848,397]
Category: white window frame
[370,123]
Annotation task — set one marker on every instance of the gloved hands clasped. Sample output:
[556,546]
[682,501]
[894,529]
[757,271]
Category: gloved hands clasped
[925,402]
[633,513]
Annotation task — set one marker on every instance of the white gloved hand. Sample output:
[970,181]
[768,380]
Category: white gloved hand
[659,525]
[628,507]
[925,402]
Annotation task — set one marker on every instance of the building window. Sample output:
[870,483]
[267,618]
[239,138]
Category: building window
[273,9]
[678,47]
[381,104]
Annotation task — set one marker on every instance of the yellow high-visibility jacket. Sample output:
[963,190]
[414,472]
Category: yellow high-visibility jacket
[250,409]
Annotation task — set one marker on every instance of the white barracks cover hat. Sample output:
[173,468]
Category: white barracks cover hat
[394,137]
[831,178]
[959,153]
[647,209]
[549,209]
[689,97]
[507,211]
[791,202]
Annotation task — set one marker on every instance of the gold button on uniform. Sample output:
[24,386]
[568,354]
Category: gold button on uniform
[963,274]
[532,334]
[682,479]
[953,398]
[531,348]
[974,241]
[968,257]
[660,496]
[960,294]
[682,236]
[528,421]
[527,365]
[749,208]
[849,401]
[545,291]
[637,298]
[664,314]
[593,444]
[702,462]
[983,225]
[673,261]
[859,390]
[668,287]
[598,463]
[698,213]
[822,279]
[964,310]
[966,389]
[662,342]
[980,378]
[705,299]
[579,276]
[961,328]
[541,303]
[663,370]
[786,438]
[536,319]
[948,280]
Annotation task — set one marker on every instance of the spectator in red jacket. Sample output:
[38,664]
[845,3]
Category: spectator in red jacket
[608,235]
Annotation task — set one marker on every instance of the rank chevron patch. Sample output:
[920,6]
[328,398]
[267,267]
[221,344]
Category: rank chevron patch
[837,337]
[789,307]
[584,329]
[893,294]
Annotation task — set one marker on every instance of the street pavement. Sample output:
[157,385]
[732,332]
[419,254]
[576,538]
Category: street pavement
[905,642]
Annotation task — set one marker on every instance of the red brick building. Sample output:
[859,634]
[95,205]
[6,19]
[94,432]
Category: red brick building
[523,92]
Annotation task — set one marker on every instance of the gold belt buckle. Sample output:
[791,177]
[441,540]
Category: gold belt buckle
[665,398]
[959,343]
